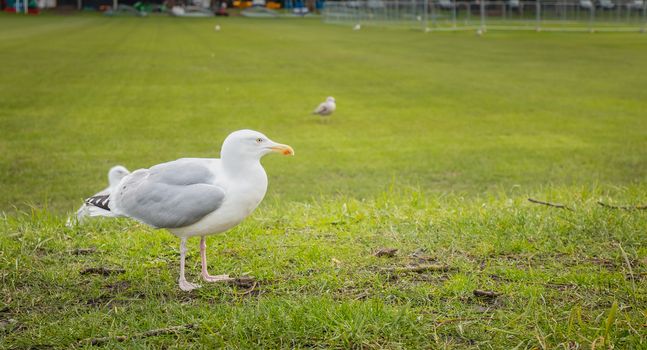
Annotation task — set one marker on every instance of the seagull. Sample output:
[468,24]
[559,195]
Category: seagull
[115,174]
[326,108]
[197,196]
[357,27]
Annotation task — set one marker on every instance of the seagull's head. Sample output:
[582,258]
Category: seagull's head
[250,144]
[116,173]
[330,99]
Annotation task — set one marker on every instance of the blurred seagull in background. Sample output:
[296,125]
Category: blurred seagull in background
[196,196]
[326,108]
[115,174]
[357,27]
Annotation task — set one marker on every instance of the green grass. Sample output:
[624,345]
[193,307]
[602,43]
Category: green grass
[438,141]
[559,274]
[445,112]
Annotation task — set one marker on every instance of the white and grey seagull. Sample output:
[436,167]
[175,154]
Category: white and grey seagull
[197,196]
[326,108]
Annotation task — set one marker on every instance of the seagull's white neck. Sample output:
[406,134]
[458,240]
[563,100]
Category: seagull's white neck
[247,179]
[243,168]
[236,164]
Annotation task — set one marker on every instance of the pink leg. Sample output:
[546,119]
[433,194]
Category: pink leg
[184,284]
[203,255]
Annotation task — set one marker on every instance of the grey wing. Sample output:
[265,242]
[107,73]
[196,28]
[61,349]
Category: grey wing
[169,195]
[319,109]
[185,171]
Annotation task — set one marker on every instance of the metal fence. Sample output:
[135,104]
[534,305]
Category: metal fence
[437,15]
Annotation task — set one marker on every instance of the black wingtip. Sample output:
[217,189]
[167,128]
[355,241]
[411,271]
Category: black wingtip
[99,201]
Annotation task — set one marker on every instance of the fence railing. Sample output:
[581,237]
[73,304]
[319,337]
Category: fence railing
[431,15]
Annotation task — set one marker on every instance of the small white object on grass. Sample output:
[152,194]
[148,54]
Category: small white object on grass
[216,28]
[357,27]
[479,32]
[196,196]
[115,174]
[326,108]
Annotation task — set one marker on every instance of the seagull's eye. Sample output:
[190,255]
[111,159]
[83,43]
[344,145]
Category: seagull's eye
[259,140]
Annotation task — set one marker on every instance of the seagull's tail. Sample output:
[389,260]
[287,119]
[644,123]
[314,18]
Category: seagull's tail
[97,206]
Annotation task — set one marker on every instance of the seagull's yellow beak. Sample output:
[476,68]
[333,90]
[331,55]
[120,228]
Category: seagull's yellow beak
[284,149]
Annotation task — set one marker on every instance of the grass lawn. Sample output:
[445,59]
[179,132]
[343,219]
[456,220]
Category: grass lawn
[438,141]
